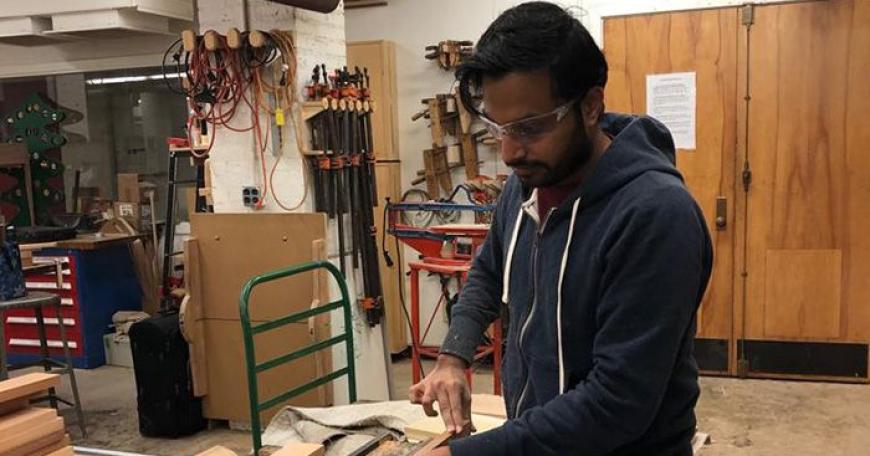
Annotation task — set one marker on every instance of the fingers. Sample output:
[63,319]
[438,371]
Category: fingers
[415,393]
[466,407]
[460,414]
[426,400]
[446,408]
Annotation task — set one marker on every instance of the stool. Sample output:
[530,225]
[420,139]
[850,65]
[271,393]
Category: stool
[458,269]
[37,300]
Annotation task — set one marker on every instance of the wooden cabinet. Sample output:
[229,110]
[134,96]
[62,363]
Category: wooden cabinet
[379,58]
[785,161]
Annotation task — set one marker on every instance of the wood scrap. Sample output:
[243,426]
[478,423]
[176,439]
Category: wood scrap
[489,405]
[433,426]
[117,225]
[144,268]
[437,441]
[217,451]
[27,385]
[192,317]
[300,449]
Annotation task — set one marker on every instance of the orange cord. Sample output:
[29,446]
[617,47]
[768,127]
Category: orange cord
[225,75]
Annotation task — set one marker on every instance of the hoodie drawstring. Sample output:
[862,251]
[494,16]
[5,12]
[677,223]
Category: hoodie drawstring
[506,278]
[559,295]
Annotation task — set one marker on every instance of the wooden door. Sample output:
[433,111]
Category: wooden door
[808,207]
[704,42]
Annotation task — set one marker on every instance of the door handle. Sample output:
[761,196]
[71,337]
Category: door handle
[721,213]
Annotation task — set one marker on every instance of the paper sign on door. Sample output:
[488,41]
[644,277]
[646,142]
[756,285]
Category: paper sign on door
[670,98]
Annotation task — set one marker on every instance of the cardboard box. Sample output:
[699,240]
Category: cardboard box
[118,352]
[130,190]
[137,215]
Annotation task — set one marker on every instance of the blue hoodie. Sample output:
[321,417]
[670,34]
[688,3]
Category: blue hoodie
[602,297]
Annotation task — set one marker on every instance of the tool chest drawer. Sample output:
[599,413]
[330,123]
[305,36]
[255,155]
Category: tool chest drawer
[94,285]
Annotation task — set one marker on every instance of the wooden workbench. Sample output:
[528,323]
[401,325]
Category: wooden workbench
[85,242]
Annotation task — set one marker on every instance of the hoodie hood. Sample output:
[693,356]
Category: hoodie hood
[640,144]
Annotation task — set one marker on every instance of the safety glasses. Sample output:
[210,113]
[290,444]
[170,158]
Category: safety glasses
[529,129]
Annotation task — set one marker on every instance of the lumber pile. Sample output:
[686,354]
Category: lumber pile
[26,430]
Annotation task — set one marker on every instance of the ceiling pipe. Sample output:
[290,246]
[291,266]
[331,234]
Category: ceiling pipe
[321,6]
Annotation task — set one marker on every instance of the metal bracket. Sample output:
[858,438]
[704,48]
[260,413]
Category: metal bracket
[747,13]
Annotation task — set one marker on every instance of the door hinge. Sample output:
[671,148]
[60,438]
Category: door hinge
[747,178]
[747,13]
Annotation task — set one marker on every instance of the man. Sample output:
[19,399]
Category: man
[596,248]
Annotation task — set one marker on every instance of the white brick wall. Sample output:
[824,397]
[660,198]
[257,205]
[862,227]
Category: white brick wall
[235,162]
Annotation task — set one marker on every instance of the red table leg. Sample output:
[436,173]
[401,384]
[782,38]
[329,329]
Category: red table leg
[415,324]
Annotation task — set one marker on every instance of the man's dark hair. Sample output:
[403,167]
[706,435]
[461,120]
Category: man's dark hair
[535,36]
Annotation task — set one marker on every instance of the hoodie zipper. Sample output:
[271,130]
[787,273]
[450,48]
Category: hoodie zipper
[535,245]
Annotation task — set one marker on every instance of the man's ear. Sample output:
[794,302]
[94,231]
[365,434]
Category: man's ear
[592,106]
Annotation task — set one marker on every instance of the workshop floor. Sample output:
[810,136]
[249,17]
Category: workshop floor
[743,417]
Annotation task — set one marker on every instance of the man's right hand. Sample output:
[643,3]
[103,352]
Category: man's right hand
[446,384]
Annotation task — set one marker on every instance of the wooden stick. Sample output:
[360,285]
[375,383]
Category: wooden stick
[234,38]
[188,39]
[212,40]
[257,39]
[436,442]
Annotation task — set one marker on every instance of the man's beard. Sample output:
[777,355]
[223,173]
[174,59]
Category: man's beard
[577,155]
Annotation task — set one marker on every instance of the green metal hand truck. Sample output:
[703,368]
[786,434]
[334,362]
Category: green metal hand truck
[248,333]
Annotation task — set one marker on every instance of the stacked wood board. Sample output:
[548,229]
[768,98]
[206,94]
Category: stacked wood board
[26,430]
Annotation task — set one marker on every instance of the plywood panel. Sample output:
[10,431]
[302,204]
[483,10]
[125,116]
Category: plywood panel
[802,294]
[229,250]
[379,57]
[236,247]
[704,42]
[227,381]
[807,148]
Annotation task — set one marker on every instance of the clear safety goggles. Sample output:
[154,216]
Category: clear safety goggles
[529,129]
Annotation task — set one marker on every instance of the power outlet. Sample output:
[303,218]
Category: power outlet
[250,196]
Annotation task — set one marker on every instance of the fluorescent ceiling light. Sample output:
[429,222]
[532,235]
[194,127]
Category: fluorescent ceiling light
[126,79]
